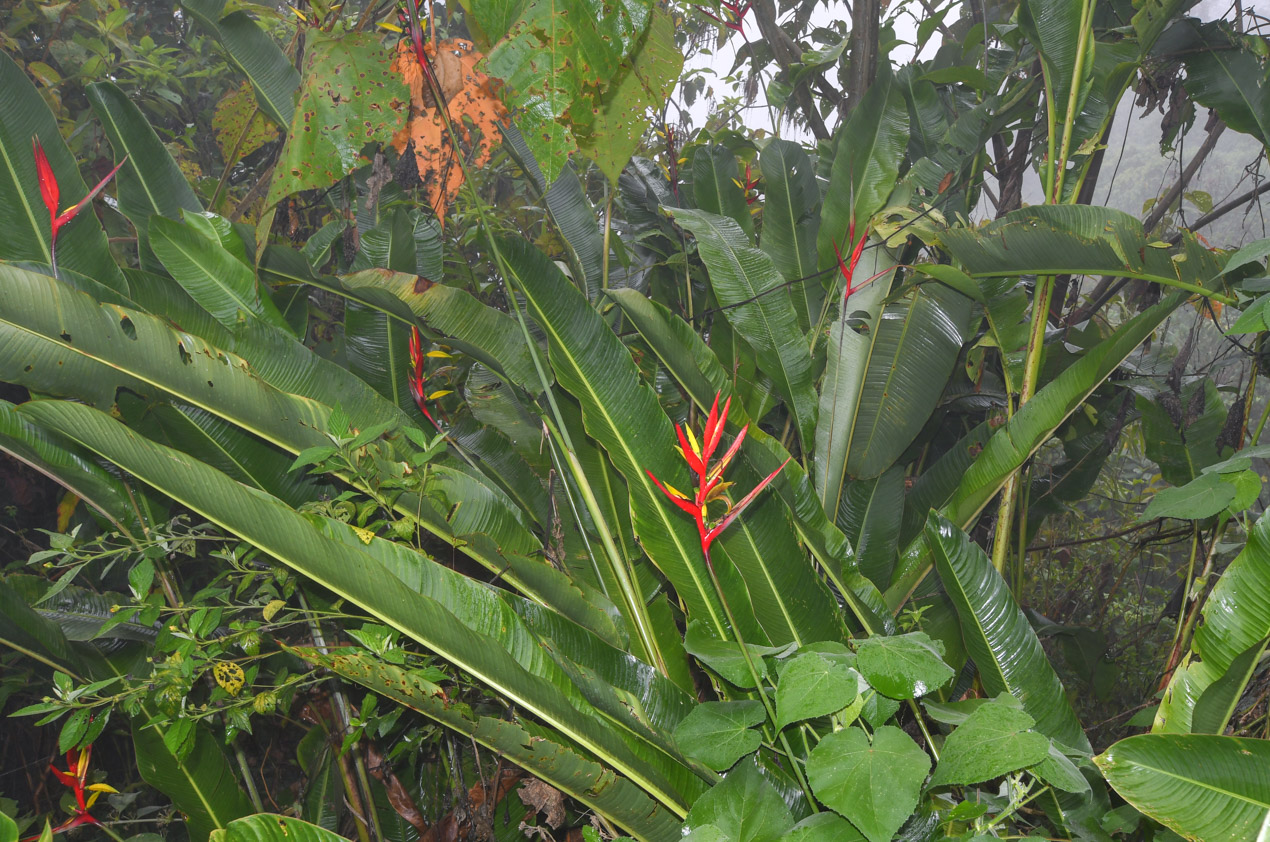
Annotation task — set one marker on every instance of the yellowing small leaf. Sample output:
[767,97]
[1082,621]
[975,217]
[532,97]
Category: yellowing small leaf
[229,676]
[365,535]
[272,608]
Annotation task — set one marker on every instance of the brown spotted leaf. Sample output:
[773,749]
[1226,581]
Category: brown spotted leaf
[230,119]
[348,97]
[475,113]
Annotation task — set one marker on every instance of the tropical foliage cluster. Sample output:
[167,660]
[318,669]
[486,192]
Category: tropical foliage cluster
[374,368]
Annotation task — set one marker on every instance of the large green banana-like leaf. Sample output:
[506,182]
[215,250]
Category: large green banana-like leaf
[212,276]
[695,366]
[39,638]
[476,329]
[68,466]
[150,182]
[28,233]
[1054,28]
[939,481]
[915,346]
[758,306]
[623,415]
[572,213]
[1205,787]
[1236,618]
[870,517]
[716,186]
[288,536]
[848,360]
[1229,78]
[865,167]
[791,219]
[1015,442]
[1080,240]
[377,348]
[261,60]
[997,634]
[788,599]
[499,459]
[268,827]
[1183,449]
[553,761]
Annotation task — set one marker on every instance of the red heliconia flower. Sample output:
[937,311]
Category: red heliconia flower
[736,11]
[418,376]
[49,189]
[710,487]
[749,186]
[85,794]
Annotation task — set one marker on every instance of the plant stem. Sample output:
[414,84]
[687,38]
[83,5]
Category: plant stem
[248,780]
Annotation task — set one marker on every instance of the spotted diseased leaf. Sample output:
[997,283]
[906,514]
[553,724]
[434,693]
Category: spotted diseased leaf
[235,135]
[229,676]
[348,97]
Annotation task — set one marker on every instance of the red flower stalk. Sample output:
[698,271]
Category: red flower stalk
[848,269]
[750,186]
[50,192]
[736,12]
[418,376]
[710,485]
[85,794]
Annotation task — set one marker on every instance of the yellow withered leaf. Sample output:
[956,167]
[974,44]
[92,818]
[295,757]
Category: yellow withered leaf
[229,676]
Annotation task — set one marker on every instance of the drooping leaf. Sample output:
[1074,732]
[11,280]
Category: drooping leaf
[997,634]
[873,783]
[1225,75]
[348,98]
[261,60]
[746,282]
[790,223]
[1202,786]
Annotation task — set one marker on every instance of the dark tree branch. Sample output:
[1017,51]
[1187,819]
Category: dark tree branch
[787,54]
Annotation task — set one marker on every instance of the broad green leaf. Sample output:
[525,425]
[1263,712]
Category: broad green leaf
[1182,454]
[70,467]
[353,573]
[716,186]
[791,219]
[696,367]
[1235,619]
[848,360]
[23,630]
[1054,28]
[624,417]
[1060,772]
[903,666]
[759,307]
[744,807]
[1079,239]
[823,827]
[812,685]
[572,213]
[268,827]
[870,516]
[1253,253]
[270,71]
[1217,704]
[725,656]
[211,275]
[873,783]
[993,740]
[202,785]
[150,182]
[916,343]
[1014,443]
[997,634]
[544,755]
[1204,787]
[1227,76]
[720,733]
[8,829]
[865,167]
[348,98]
[1201,498]
[28,233]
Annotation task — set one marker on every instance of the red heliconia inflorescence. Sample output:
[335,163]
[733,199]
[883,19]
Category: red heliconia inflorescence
[710,487]
[85,794]
[736,10]
[848,270]
[51,193]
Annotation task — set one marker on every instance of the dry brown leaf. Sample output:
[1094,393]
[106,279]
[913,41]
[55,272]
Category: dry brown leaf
[545,799]
[474,109]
